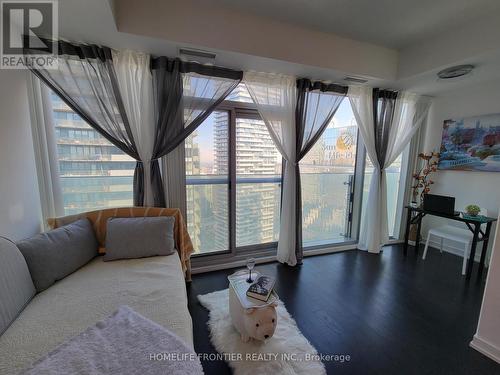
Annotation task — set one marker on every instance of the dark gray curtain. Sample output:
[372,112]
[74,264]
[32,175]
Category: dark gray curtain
[384,102]
[185,94]
[317,103]
[85,80]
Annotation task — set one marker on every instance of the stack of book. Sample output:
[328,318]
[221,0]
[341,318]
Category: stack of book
[259,293]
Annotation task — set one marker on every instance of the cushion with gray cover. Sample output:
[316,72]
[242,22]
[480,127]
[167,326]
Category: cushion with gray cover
[53,255]
[16,287]
[139,237]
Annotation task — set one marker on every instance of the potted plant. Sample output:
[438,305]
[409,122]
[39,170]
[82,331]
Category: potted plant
[472,209]
[422,184]
[422,179]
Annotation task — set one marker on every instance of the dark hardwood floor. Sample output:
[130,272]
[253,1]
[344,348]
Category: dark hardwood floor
[390,314]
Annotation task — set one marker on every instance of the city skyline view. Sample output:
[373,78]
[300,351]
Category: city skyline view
[344,118]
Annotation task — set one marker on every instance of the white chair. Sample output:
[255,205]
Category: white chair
[449,232]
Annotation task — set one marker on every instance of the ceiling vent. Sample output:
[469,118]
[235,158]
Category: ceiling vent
[455,71]
[355,80]
[198,55]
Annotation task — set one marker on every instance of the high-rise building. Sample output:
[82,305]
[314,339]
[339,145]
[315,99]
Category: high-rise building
[193,208]
[94,174]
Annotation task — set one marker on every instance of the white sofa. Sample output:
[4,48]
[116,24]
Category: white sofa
[154,287]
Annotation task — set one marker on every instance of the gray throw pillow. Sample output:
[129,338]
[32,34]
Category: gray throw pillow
[53,255]
[16,287]
[139,237]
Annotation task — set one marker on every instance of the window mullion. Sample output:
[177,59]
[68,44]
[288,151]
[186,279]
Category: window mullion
[232,180]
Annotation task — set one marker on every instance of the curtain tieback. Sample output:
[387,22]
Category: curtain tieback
[147,161]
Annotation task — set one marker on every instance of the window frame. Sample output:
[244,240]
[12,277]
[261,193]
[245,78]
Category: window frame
[236,109]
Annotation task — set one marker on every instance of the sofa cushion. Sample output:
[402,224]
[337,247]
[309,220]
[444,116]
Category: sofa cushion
[16,287]
[139,237]
[53,255]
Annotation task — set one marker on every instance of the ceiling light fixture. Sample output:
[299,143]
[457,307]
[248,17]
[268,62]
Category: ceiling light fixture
[455,71]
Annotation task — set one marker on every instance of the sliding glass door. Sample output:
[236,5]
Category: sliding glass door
[328,175]
[258,183]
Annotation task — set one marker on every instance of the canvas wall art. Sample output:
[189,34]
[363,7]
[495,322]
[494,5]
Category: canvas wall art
[471,144]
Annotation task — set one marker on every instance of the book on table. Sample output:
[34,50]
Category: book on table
[240,286]
[262,288]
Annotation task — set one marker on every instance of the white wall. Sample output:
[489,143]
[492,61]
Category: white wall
[487,338]
[20,213]
[481,188]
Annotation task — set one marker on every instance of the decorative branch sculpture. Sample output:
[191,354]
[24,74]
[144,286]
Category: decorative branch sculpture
[422,179]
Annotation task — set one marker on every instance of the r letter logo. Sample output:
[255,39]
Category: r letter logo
[28,31]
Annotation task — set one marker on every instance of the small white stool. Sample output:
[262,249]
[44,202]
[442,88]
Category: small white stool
[451,233]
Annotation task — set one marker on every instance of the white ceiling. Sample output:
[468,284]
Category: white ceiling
[390,23]
[92,21]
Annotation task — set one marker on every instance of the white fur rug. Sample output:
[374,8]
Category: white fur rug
[287,352]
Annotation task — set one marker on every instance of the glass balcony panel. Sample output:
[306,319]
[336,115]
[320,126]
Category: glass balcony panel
[325,201]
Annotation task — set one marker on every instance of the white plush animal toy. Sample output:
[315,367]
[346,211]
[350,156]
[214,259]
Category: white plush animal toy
[258,323]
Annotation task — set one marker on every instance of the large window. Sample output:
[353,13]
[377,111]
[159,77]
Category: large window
[327,177]
[94,174]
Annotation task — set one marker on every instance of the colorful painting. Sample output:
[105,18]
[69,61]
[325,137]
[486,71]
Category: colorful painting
[471,144]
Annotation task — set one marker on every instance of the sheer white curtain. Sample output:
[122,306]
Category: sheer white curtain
[47,166]
[276,98]
[374,220]
[408,113]
[135,81]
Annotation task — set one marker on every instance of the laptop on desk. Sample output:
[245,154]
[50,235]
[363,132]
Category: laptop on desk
[440,204]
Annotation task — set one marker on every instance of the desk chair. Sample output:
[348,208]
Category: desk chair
[452,233]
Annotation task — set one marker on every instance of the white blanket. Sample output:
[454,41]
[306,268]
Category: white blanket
[124,343]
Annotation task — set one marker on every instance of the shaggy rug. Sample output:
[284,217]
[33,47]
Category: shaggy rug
[287,352]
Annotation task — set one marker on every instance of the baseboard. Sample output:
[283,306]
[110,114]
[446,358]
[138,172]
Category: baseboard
[233,264]
[268,259]
[453,249]
[485,347]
